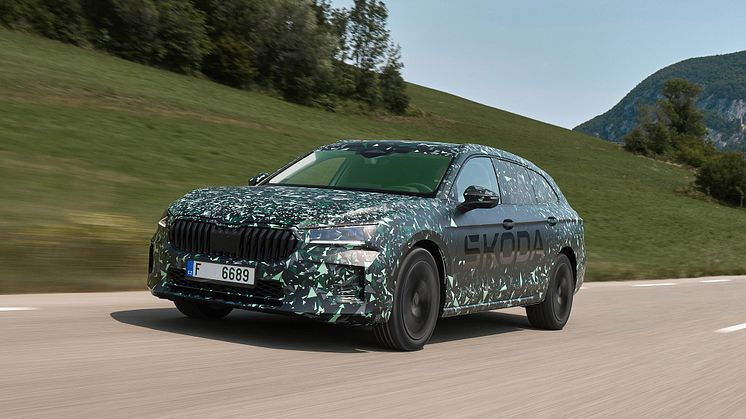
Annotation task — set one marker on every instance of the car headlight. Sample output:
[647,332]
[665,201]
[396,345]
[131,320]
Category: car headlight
[348,235]
[164,219]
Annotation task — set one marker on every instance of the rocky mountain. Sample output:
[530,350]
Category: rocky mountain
[723,100]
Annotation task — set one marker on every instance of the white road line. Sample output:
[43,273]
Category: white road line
[712,281]
[735,328]
[662,284]
[16,308]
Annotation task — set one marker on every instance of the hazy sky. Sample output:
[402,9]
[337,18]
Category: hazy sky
[559,61]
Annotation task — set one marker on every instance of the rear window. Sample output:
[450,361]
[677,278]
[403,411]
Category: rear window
[515,183]
[543,191]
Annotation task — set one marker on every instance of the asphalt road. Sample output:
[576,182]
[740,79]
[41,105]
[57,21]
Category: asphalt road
[631,349]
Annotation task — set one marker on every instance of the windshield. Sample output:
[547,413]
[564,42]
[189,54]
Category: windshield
[404,171]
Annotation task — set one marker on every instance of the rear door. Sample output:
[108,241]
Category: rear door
[525,228]
[548,208]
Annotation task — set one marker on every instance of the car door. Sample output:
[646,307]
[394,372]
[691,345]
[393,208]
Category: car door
[548,208]
[478,274]
[525,228]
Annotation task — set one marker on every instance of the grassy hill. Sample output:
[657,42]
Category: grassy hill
[723,100]
[92,149]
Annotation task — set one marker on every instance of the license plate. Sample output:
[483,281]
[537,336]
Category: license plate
[220,272]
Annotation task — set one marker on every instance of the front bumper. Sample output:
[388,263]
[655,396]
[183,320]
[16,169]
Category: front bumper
[331,283]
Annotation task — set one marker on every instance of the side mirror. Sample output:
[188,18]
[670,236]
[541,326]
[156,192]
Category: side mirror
[258,179]
[478,197]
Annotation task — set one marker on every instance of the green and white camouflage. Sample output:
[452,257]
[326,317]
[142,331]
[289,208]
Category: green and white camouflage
[355,283]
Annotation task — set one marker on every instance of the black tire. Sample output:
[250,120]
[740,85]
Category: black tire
[416,304]
[202,310]
[554,311]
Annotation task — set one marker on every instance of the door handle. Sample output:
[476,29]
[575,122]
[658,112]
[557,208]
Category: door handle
[508,224]
[552,221]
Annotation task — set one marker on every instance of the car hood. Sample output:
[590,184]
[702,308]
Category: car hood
[291,206]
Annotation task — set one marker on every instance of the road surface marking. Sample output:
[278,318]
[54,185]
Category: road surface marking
[662,284]
[711,281]
[735,328]
[16,308]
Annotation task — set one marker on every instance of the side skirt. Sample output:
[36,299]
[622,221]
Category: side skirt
[474,308]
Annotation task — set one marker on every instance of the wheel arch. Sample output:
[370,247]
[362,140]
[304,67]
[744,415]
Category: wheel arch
[570,253]
[437,250]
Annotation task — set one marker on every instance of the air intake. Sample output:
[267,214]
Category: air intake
[251,243]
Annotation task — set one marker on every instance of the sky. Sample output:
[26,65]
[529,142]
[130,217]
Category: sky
[558,61]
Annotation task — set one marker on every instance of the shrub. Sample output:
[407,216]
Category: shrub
[637,142]
[693,151]
[724,177]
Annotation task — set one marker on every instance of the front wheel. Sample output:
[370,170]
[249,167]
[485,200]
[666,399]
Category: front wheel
[202,310]
[554,311]
[416,304]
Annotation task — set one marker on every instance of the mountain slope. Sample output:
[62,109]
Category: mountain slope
[723,100]
[93,148]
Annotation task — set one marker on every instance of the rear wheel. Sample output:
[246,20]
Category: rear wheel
[554,311]
[202,310]
[416,304]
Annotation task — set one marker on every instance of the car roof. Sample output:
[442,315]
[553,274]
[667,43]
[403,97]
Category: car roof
[434,147]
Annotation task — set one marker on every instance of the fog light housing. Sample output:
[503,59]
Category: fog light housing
[349,287]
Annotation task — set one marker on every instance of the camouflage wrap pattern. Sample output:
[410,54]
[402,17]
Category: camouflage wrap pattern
[355,283]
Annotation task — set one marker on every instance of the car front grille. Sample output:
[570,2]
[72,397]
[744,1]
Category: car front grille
[251,243]
[263,292]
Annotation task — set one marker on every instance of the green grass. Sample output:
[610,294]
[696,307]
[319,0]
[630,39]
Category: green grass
[92,149]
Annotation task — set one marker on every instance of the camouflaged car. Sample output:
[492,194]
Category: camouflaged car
[389,234]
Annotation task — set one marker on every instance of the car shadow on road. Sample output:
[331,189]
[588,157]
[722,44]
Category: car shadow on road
[291,333]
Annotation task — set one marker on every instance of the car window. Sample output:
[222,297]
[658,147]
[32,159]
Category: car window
[544,192]
[515,183]
[318,174]
[394,170]
[476,172]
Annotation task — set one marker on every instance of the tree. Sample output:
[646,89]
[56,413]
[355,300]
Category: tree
[63,20]
[165,33]
[649,137]
[679,110]
[674,128]
[392,83]
[127,28]
[306,50]
[181,37]
[232,28]
[278,44]
[368,40]
[69,23]
[294,53]
[368,35]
